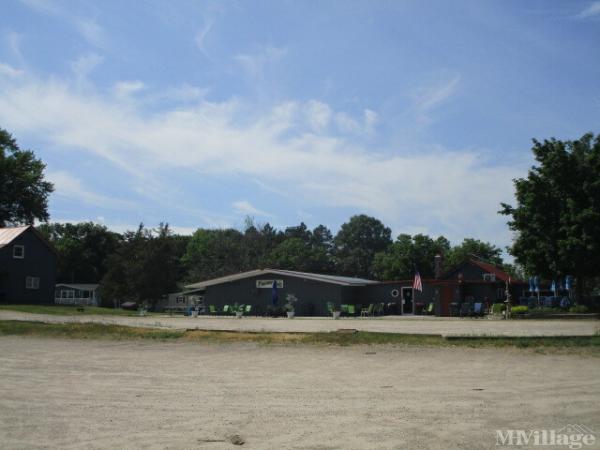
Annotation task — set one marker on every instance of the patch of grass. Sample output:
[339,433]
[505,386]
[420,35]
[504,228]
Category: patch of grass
[84,331]
[67,310]
[101,331]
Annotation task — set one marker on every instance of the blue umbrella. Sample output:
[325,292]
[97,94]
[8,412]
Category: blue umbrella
[568,282]
[531,284]
[274,295]
[536,282]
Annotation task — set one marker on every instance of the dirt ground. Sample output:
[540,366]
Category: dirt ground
[76,394]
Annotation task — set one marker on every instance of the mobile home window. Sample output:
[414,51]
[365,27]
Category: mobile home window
[32,282]
[19,251]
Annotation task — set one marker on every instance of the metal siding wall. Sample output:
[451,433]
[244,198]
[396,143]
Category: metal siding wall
[312,295]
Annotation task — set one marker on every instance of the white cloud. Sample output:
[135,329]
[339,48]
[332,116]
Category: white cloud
[125,88]
[318,114]
[91,31]
[9,71]
[85,64]
[246,208]
[255,63]
[200,38]
[67,185]
[455,193]
[428,98]
[592,10]
[13,41]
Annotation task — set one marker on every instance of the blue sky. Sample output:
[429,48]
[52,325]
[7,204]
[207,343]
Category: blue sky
[201,113]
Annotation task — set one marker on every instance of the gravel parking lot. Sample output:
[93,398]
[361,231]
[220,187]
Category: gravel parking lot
[446,326]
[75,394]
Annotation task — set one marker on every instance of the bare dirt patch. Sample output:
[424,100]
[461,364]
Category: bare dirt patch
[72,394]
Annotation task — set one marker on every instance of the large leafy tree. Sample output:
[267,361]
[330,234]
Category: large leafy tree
[145,266]
[23,190]
[214,253]
[408,253]
[556,219]
[295,254]
[356,244]
[473,248]
[83,250]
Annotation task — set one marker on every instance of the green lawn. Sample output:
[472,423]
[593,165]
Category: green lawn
[65,310]
[588,344]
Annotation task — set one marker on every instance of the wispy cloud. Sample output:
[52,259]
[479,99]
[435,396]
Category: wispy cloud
[428,98]
[9,71]
[255,63]
[85,64]
[88,28]
[592,10]
[200,38]
[457,191]
[68,185]
[246,208]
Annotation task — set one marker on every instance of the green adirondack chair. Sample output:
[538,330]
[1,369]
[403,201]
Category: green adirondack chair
[351,310]
[212,309]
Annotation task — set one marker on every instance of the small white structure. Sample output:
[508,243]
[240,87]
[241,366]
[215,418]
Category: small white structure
[77,294]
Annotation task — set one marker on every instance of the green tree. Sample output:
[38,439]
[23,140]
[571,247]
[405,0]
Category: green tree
[214,253]
[556,219]
[83,250]
[295,254]
[144,268]
[23,190]
[473,248]
[356,244]
[408,253]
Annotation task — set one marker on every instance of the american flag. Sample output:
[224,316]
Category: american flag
[417,285]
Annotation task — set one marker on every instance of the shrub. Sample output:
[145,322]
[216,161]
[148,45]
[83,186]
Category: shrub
[520,310]
[579,309]
[546,310]
[498,308]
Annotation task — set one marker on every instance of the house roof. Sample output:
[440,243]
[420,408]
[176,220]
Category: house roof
[79,286]
[500,274]
[7,235]
[332,279]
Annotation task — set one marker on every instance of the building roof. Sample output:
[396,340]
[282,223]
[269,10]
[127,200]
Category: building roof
[332,279]
[7,235]
[500,274]
[79,286]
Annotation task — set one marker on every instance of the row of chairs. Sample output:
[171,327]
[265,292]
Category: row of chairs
[471,309]
[229,310]
[350,310]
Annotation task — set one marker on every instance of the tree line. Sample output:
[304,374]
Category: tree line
[143,264]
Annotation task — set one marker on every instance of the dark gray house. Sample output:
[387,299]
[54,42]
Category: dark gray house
[256,288]
[27,266]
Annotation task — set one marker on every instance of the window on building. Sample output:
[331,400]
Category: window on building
[19,251]
[500,294]
[32,282]
[85,294]
[180,299]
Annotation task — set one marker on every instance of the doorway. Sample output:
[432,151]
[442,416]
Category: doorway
[407,300]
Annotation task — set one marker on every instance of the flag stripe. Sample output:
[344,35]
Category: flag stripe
[417,285]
